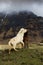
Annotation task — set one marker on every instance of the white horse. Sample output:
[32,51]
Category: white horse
[17,39]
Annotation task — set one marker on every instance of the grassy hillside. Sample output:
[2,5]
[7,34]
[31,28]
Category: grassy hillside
[22,57]
[9,27]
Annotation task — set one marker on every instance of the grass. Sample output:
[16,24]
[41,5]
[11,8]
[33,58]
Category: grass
[35,46]
[22,57]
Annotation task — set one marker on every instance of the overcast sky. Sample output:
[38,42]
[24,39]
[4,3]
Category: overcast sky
[9,6]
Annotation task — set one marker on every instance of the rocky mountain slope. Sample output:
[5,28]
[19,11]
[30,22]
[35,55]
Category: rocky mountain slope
[11,24]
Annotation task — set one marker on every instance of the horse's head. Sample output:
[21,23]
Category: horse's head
[22,30]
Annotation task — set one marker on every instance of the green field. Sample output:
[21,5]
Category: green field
[24,56]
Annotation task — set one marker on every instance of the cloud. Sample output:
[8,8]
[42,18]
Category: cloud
[8,6]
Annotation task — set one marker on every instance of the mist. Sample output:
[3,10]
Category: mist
[9,6]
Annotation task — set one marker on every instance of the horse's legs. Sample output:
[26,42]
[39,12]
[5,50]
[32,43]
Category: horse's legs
[15,48]
[22,43]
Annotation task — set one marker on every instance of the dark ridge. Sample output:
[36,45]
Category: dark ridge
[10,25]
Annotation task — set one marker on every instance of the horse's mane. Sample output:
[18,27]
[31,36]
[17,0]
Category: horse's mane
[20,32]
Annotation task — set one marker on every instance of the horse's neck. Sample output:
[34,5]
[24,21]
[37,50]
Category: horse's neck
[20,34]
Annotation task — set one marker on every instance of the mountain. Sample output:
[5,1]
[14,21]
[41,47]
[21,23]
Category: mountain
[11,23]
